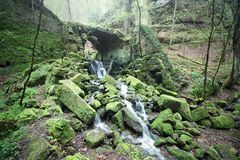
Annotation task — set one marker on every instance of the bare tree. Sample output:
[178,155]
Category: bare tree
[33,54]
[173,22]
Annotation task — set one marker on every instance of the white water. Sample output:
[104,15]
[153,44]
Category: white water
[101,125]
[98,69]
[142,111]
[147,143]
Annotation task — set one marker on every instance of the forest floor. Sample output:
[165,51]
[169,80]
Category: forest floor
[209,136]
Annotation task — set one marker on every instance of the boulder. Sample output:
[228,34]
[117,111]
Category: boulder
[80,78]
[76,104]
[186,139]
[176,105]
[76,124]
[116,138]
[51,106]
[162,141]
[158,122]
[38,148]
[225,152]
[60,129]
[135,83]
[114,106]
[94,138]
[26,116]
[96,104]
[73,86]
[167,129]
[222,122]
[109,80]
[212,153]
[76,156]
[199,114]
[128,150]
[132,121]
[205,122]
[118,119]
[180,154]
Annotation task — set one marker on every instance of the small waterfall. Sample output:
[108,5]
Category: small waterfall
[98,69]
[147,143]
[101,125]
[141,110]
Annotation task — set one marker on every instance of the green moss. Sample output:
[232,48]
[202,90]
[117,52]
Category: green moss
[60,129]
[225,152]
[180,154]
[16,40]
[118,119]
[114,106]
[222,122]
[199,114]
[129,150]
[76,156]
[27,115]
[94,138]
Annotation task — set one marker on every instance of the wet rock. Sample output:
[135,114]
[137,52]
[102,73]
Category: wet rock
[162,141]
[131,121]
[76,104]
[199,114]
[94,138]
[225,152]
[176,104]
[222,122]
[60,129]
[118,119]
[129,150]
[76,156]
[180,154]
[114,106]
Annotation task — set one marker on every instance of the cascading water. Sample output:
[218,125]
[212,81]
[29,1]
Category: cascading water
[100,72]
[141,110]
[147,143]
[98,69]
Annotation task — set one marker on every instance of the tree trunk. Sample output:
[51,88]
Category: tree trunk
[173,22]
[33,54]
[127,20]
[69,11]
[139,27]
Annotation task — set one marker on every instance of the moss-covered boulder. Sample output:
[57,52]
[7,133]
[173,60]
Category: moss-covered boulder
[135,83]
[51,106]
[27,115]
[94,138]
[131,120]
[80,78]
[212,153]
[180,154]
[222,122]
[118,119]
[158,122]
[76,104]
[96,104]
[186,139]
[179,105]
[114,106]
[199,114]
[73,86]
[205,122]
[128,150]
[116,138]
[225,152]
[60,129]
[37,148]
[76,156]
[167,129]
[75,123]
[162,141]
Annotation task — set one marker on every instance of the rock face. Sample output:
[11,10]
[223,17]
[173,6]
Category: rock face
[131,121]
[76,104]
[60,129]
[222,122]
[94,138]
[176,104]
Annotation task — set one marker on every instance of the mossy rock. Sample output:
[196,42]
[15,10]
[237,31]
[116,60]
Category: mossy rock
[76,104]
[205,122]
[225,152]
[176,104]
[180,154]
[38,148]
[128,150]
[199,153]
[60,129]
[167,129]
[51,106]
[131,121]
[135,83]
[210,151]
[186,139]
[76,124]
[199,114]
[116,138]
[96,104]
[27,115]
[76,156]
[114,106]
[118,119]
[157,123]
[94,137]
[162,141]
[222,122]
[109,80]
[73,86]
